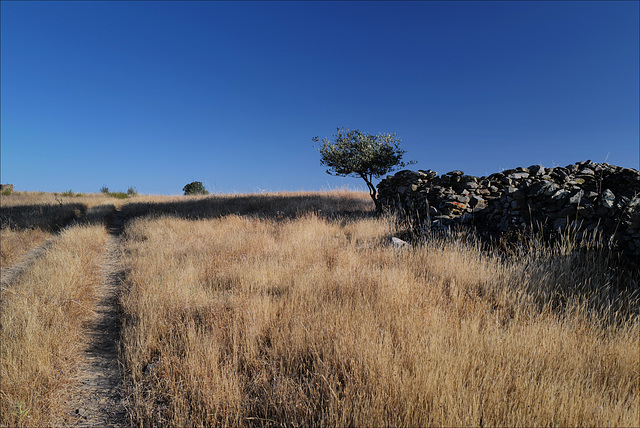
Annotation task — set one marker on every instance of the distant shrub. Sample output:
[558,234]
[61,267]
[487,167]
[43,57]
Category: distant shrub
[78,195]
[131,191]
[68,193]
[119,195]
[6,189]
[195,188]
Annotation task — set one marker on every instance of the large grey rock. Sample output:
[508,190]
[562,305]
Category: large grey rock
[536,170]
[576,197]
[607,199]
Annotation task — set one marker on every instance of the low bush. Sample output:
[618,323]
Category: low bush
[131,191]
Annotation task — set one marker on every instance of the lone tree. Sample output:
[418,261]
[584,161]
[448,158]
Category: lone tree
[357,154]
[194,188]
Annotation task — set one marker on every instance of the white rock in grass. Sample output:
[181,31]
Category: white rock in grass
[398,243]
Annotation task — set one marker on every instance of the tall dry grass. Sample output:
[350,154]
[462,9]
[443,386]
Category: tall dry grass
[41,321]
[315,320]
[17,243]
[43,211]
[29,219]
[273,205]
[291,309]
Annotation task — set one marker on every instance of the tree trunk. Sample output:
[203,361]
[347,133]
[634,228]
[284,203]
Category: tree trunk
[372,192]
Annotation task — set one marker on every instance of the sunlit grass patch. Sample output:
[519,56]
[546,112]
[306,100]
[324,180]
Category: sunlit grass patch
[16,243]
[309,320]
[41,319]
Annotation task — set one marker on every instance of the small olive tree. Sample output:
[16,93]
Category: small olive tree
[195,188]
[357,154]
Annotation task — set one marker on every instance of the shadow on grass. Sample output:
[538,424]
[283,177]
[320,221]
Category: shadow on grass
[47,217]
[53,218]
[280,206]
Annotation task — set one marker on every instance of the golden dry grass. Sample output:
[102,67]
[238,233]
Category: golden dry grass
[41,319]
[275,205]
[46,198]
[255,320]
[28,219]
[16,243]
[292,309]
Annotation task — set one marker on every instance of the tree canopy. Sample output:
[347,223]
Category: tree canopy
[195,188]
[357,154]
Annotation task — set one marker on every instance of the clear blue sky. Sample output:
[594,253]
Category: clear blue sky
[158,94]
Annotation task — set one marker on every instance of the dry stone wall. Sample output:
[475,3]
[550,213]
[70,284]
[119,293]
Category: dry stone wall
[584,196]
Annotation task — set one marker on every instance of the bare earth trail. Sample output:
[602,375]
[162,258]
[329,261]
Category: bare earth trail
[99,403]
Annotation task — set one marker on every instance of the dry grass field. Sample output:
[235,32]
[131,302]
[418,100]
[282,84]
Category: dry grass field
[16,243]
[41,321]
[293,309]
[28,219]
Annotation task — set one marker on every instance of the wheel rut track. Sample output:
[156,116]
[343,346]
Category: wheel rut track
[99,400]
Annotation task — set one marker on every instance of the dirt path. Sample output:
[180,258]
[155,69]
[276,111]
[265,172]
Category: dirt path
[99,403]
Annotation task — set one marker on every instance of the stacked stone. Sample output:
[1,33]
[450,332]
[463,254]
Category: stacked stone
[583,196]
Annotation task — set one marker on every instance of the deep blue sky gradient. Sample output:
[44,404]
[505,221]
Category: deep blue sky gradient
[158,94]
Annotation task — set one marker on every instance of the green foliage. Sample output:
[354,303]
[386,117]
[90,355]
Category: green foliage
[68,193]
[120,195]
[6,192]
[195,188]
[357,154]
[21,411]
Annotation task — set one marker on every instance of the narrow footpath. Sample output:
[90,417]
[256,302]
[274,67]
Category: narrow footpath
[100,401]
